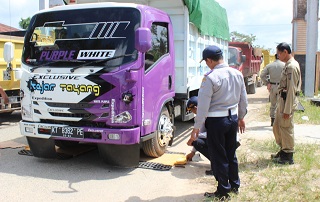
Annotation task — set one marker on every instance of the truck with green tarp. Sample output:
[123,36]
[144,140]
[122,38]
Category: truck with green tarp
[115,74]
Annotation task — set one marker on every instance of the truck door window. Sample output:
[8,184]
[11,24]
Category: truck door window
[159,43]
[232,60]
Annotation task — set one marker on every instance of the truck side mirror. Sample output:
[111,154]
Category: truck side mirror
[143,39]
[243,58]
[8,52]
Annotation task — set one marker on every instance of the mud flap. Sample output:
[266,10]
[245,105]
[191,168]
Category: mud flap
[120,155]
[42,148]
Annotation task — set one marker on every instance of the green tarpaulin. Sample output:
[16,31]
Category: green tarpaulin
[209,17]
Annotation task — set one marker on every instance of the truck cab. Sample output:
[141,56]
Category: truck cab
[84,79]
[236,58]
[247,59]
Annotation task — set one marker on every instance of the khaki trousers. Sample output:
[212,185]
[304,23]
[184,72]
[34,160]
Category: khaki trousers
[283,129]
[273,100]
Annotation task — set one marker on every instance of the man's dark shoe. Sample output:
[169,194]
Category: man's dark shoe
[238,144]
[217,196]
[209,172]
[285,158]
[277,155]
[272,121]
[234,191]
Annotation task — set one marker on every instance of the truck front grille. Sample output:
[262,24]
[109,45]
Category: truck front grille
[77,110]
[69,105]
[76,123]
[77,115]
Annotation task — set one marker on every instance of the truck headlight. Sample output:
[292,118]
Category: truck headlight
[29,129]
[124,117]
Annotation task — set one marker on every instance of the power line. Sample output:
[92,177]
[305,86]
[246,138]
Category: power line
[262,25]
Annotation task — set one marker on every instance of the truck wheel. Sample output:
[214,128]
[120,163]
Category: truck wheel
[5,114]
[157,145]
[120,155]
[247,89]
[259,83]
[252,88]
[66,144]
[42,148]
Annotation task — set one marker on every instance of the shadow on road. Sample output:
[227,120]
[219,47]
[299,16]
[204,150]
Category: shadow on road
[192,197]
[257,100]
[255,166]
[88,166]
[182,133]
[259,128]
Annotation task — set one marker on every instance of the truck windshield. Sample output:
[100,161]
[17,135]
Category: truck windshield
[233,56]
[69,37]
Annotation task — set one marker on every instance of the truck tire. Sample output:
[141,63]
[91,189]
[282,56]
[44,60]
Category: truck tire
[157,145]
[42,148]
[66,144]
[120,155]
[252,88]
[259,83]
[5,114]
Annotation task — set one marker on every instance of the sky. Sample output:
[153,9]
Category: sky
[268,20]
[11,11]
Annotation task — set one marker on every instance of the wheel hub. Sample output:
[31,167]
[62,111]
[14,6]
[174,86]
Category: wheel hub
[165,129]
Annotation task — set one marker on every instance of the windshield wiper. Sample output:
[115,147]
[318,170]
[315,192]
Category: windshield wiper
[56,61]
[98,61]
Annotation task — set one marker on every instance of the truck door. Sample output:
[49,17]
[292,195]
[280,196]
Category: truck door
[158,75]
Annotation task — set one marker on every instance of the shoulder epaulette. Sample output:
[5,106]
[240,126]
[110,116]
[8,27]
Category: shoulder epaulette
[209,72]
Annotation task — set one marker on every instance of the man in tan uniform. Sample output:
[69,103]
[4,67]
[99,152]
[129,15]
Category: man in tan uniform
[289,88]
[274,70]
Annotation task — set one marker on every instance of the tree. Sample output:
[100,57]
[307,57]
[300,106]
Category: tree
[235,36]
[24,23]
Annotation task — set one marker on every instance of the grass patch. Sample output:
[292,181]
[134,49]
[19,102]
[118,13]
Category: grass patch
[311,111]
[262,180]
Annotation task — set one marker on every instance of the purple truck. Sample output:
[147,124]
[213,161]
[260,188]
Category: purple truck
[106,74]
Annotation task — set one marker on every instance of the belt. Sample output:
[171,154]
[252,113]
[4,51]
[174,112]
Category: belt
[223,113]
[274,83]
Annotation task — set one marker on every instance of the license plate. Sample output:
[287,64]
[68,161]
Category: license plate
[69,132]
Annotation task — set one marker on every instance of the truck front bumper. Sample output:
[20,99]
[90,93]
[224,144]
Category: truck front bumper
[82,134]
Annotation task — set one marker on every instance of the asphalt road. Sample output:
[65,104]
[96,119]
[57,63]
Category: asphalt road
[87,178]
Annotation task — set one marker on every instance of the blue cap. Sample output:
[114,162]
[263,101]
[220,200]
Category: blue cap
[192,102]
[211,51]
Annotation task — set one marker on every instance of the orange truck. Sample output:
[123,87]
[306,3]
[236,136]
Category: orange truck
[10,62]
[246,59]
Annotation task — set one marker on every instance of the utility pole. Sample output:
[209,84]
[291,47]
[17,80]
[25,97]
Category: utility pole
[312,46]
[43,4]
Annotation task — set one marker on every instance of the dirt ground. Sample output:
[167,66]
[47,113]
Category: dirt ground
[87,178]
[258,129]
